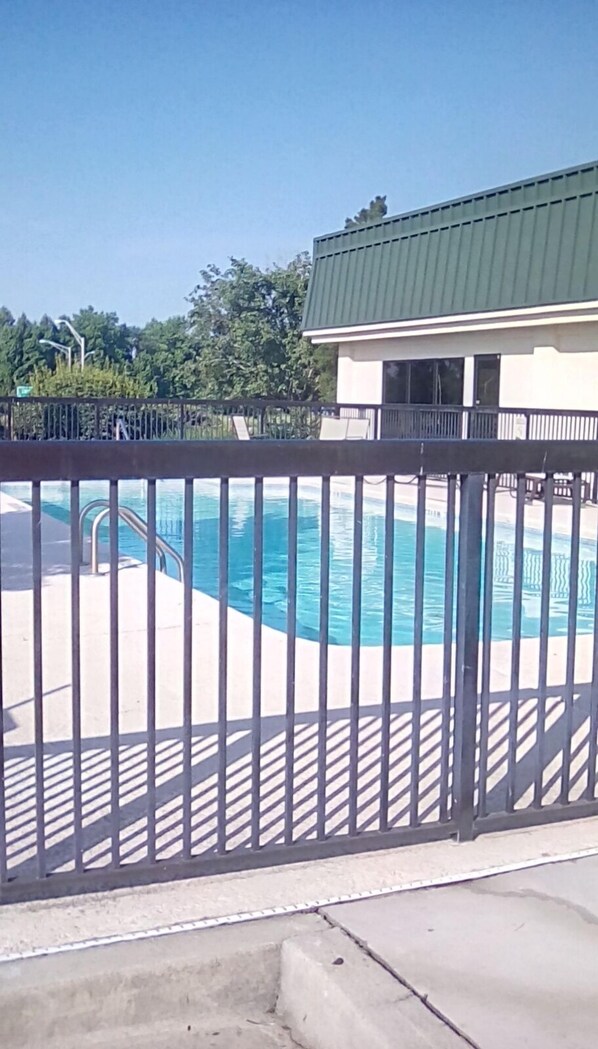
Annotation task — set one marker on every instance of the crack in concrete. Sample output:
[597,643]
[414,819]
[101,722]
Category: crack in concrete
[482,889]
[423,998]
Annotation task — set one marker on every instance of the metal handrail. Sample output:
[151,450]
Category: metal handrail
[136,524]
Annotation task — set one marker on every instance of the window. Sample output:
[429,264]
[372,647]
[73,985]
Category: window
[431,381]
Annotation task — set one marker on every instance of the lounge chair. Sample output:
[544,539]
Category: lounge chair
[358,429]
[240,428]
[332,429]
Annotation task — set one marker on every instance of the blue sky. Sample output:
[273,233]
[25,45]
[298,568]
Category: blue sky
[143,139]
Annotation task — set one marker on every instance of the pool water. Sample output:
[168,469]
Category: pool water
[169,524]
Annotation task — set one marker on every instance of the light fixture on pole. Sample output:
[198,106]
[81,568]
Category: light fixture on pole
[67,350]
[79,339]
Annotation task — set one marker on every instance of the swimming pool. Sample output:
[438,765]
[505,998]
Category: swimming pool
[169,524]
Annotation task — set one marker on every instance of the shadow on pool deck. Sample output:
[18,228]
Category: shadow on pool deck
[250,760]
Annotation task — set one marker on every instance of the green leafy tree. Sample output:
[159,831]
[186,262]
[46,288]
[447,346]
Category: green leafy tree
[105,336]
[97,379]
[375,211]
[166,359]
[20,348]
[246,326]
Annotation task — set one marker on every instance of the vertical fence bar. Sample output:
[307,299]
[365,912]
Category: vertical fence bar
[389,539]
[3,828]
[38,689]
[222,662]
[151,671]
[590,791]
[76,675]
[447,652]
[291,658]
[418,631]
[187,662]
[544,639]
[256,685]
[323,658]
[466,692]
[355,654]
[488,586]
[571,638]
[515,645]
[114,675]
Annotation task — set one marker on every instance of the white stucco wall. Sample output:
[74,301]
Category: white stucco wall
[541,367]
[359,381]
[517,381]
[565,380]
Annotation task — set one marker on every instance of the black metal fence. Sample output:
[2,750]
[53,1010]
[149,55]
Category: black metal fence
[41,418]
[429,669]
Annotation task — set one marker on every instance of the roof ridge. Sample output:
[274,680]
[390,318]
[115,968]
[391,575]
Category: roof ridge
[479,195]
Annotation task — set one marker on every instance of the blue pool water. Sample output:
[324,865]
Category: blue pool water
[205,569]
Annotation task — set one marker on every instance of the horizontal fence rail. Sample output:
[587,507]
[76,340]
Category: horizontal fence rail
[371,644]
[42,418]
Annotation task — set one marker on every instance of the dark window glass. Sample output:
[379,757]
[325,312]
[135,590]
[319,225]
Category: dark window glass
[449,382]
[422,382]
[396,385]
[487,379]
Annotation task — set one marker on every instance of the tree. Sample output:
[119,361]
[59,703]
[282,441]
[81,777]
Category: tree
[246,327]
[375,211]
[20,348]
[165,357]
[104,335]
[97,379]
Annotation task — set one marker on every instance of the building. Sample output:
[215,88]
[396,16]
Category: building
[490,300]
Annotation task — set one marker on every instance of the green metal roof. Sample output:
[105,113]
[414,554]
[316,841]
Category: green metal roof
[533,243]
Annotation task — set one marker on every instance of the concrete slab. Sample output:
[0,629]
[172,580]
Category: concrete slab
[333,996]
[219,1031]
[49,925]
[511,960]
[192,982]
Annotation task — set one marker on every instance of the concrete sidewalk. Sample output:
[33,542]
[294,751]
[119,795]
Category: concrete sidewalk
[509,961]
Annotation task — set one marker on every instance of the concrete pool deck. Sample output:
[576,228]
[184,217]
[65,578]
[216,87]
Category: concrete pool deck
[58,764]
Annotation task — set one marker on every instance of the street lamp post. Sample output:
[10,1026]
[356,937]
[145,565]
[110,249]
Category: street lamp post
[79,339]
[67,350]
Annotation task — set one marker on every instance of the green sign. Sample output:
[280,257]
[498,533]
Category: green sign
[24,391]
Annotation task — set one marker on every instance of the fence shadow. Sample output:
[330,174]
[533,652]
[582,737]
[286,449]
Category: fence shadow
[281,785]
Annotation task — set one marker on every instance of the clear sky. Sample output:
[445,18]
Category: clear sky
[143,139]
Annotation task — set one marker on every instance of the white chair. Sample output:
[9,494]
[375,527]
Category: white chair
[240,427]
[332,429]
[358,429]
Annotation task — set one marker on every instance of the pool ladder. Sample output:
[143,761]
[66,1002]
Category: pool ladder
[135,523]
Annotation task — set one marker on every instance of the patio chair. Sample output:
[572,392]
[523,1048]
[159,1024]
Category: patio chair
[332,429]
[242,430]
[562,486]
[358,429]
[240,427]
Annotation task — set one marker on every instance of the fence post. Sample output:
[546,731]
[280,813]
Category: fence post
[468,628]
